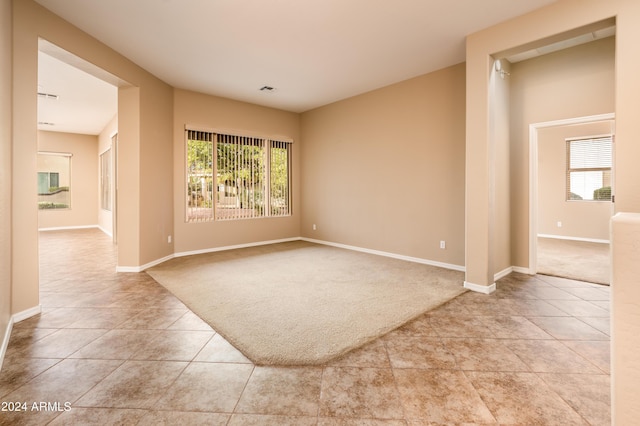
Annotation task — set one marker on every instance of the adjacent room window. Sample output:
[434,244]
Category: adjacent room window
[589,164]
[105,180]
[236,177]
[54,180]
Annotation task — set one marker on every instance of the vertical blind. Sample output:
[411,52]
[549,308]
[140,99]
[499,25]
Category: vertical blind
[236,177]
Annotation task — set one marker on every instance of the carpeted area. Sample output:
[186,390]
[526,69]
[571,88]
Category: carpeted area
[299,303]
[578,260]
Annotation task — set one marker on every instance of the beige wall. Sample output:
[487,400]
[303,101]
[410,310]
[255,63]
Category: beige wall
[105,217]
[385,170]
[211,112]
[84,179]
[145,212]
[580,219]
[575,82]
[5,172]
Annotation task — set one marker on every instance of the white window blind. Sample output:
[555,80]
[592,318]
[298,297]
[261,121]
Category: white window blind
[236,177]
[589,163]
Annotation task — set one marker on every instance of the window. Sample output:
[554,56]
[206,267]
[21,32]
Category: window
[589,164]
[236,177]
[54,179]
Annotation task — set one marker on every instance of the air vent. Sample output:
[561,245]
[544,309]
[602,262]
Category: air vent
[45,123]
[48,96]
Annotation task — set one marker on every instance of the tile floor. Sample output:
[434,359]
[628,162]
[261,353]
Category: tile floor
[114,348]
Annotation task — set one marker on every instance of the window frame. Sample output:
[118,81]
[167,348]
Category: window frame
[212,213]
[604,170]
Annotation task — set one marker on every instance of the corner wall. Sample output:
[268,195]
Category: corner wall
[385,170]
[212,112]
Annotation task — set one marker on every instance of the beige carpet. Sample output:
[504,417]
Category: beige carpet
[299,303]
[578,260]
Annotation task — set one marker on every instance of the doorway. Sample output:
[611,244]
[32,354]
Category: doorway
[77,115]
[569,234]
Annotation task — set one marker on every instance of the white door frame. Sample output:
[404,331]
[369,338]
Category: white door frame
[533,176]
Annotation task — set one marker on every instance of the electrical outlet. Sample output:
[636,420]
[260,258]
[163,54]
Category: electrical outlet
[559,224]
[443,244]
[169,239]
[314,227]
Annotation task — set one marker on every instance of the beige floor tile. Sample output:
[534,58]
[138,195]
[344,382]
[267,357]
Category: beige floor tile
[18,371]
[62,343]
[359,393]
[190,321]
[153,319]
[483,355]
[208,387]
[580,308]
[266,420]
[550,356]
[328,421]
[588,394]
[173,345]
[597,352]
[514,327]
[372,355]
[460,326]
[219,350]
[116,344]
[420,352]
[293,391]
[183,418]
[445,397]
[98,417]
[568,328]
[522,399]
[135,384]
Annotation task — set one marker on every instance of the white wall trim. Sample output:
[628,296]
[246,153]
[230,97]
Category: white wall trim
[522,270]
[202,251]
[134,269]
[388,254]
[562,237]
[27,313]
[237,246]
[65,228]
[5,341]
[502,273]
[480,288]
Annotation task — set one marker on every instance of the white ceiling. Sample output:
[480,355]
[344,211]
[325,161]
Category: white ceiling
[313,52]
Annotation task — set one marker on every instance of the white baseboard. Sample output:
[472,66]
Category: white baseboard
[27,313]
[67,228]
[562,237]
[521,270]
[388,254]
[5,341]
[503,273]
[145,266]
[480,288]
[203,251]
[141,268]
[20,316]
[237,246]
